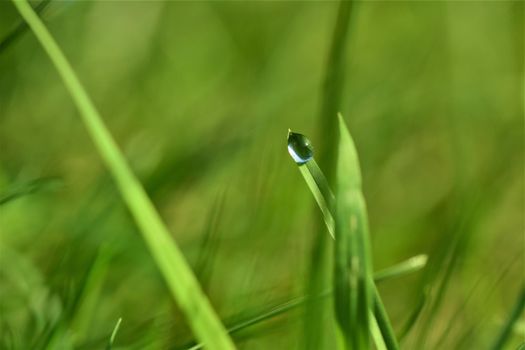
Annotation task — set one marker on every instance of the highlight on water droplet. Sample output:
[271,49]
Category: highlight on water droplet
[299,147]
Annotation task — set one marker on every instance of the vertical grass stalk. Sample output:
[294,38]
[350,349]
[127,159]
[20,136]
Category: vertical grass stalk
[353,285]
[332,90]
[513,317]
[182,283]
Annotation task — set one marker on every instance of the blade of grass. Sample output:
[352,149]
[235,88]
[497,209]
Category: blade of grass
[318,277]
[265,315]
[21,27]
[376,333]
[382,320]
[466,337]
[514,315]
[379,312]
[353,267]
[415,263]
[88,298]
[170,260]
[209,245]
[414,315]
[30,187]
[114,334]
[397,270]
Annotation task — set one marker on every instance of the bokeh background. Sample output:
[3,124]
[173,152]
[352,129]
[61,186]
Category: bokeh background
[199,96]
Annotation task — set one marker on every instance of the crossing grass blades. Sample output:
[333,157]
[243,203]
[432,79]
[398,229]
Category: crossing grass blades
[359,311]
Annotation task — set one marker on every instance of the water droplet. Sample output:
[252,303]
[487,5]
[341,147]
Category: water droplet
[300,148]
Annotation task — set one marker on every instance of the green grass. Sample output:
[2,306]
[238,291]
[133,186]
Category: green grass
[197,96]
[114,334]
[395,271]
[178,275]
[354,290]
[314,334]
[353,265]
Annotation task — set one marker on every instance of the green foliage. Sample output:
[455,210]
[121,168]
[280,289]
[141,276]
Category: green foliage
[197,96]
[353,288]
[353,270]
[114,334]
[181,281]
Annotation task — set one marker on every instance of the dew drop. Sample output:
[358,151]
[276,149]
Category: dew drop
[300,148]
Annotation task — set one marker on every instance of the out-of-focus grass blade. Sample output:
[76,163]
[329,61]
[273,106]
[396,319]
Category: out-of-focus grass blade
[209,244]
[82,314]
[409,266]
[353,267]
[414,315]
[514,315]
[28,188]
[266,315]
[318,278]
[114,334]
[21,27]
[170,260]
[398,270]
[77,314]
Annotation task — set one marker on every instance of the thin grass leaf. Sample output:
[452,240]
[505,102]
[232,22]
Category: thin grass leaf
[90,291]
[477,327]
[21,27]
[79,306]
[170,260]
[383,321]
[414,315]
[114,334]
[376,333]
[209,244]
[318,276]
[266,315]
[513,317]
[301,152]
[397,270]
[406,267]
[29,187]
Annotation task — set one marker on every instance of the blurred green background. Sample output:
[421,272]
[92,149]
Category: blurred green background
[199,96]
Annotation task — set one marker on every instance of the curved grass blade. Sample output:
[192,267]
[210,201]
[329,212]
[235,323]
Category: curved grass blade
[170,260]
